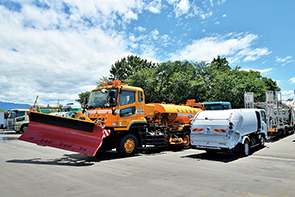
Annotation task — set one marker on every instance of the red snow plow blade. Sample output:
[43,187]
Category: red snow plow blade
[65,133]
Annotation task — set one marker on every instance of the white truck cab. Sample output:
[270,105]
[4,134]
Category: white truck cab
[21,120]
[236,130]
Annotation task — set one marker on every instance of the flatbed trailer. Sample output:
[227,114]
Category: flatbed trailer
[279,115]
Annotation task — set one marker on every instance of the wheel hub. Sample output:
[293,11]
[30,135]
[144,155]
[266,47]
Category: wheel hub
[129,145]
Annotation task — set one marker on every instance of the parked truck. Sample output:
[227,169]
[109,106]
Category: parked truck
[233,130]
[279,115]
[21,120]
[68,110]
[3,120]
[10,118]
[116,117]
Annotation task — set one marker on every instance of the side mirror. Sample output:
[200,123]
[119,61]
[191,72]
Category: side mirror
[86,100]
[112,94]
[113,102]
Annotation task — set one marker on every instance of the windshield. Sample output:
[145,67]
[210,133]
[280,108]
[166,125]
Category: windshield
[213,107]
[100,98]
[12,114]
[20,113]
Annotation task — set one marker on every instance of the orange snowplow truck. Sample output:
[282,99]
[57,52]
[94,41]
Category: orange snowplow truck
[116,117]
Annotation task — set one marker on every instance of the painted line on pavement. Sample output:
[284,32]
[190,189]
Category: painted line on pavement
[274,158]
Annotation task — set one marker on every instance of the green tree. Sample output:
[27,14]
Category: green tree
[102,80]
[126,67]
[220,63]
[175,82]
[270,84]
[82,97]
[170,82]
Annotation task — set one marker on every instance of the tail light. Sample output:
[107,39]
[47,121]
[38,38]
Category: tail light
[231,125]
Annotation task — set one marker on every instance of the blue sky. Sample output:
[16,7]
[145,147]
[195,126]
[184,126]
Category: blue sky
[57,49]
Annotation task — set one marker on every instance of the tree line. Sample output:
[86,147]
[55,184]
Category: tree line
[175,82]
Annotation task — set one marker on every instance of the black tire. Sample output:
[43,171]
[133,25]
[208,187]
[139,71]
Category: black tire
[262,142]
[245,150]
[24,128]
[127,145]
[186,137]
[285,131]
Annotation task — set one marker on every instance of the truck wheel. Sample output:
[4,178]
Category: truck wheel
[245,148]
[23,128]
[127,145]
[262,142]
[186,138]
[285,131]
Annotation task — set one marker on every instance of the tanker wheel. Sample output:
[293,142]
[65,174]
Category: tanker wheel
[186,138]
[127,145]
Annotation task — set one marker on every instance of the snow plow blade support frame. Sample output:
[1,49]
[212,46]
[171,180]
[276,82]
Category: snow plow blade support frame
[64,133]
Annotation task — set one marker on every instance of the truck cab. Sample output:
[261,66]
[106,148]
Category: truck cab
[21,120]
[10,118]
[127,106]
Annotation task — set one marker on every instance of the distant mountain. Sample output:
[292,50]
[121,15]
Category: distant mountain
[7,106]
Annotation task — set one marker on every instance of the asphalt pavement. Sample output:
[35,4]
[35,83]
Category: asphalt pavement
[31,170]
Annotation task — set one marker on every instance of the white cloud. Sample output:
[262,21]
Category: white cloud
[206,15]
[130,15]
[285,60]
[155,34]
[253,54]
[292,80]
[48,53]
[140,29]
[262,71]
[154,6]
[234,46]
[182,8]
[191,8]
[224,15]
[288,94]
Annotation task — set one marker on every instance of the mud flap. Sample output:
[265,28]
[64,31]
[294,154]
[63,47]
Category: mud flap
[65,133]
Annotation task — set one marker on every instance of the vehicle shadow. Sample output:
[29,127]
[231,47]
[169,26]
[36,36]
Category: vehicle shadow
[77,159]
[273,139]
[224,157]
[218,157]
